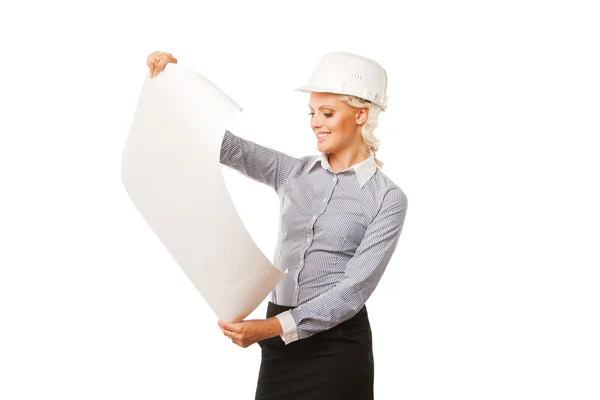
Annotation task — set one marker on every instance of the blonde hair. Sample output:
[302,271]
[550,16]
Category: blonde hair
[368,128]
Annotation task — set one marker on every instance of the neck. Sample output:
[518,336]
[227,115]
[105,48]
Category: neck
[345,159]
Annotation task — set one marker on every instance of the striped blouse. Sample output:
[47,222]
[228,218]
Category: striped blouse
[337,232]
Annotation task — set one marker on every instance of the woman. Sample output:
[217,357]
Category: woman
[341,219]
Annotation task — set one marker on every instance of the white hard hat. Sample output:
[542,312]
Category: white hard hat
[347,73]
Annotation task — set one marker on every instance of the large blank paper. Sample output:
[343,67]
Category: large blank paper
[171,171]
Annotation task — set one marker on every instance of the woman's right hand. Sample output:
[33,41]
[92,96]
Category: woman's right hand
[157,61]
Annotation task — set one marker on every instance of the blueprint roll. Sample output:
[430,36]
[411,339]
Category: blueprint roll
[171,171]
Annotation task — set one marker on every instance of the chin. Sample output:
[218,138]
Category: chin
[322,148]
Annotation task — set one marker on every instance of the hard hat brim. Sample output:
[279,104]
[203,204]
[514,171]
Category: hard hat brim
[320,89]
[313,88]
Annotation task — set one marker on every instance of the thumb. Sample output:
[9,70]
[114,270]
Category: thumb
[228,325]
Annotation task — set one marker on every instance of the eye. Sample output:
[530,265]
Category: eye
[311,114]
[328,115]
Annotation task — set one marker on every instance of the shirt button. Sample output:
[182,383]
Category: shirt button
[301,261]
[324,200]
[314,217]
[307,240]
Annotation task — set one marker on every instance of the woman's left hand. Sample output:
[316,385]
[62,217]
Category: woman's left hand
[246,333]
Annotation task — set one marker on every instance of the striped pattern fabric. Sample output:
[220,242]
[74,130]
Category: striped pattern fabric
[337,232]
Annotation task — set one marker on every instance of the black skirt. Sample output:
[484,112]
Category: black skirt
[333,364]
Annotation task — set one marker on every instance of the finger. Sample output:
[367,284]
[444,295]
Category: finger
[224,324]
[152,67]
[150,61]
[162,63]
[158,67]
[226,332]
[171,59]
[155,54]
[156,62]
[229,326]
[230,335]
[150,57]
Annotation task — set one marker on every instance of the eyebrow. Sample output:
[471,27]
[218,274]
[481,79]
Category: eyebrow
[325,106]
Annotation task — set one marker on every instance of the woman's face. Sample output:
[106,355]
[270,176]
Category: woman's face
[335,124]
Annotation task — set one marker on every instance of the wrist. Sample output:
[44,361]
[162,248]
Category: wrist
[274,327]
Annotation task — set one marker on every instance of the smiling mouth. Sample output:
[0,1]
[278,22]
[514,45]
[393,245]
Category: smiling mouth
[323,135]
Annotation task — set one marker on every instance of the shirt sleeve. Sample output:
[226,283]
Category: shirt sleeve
[363,272]
[260,163]
[290,331]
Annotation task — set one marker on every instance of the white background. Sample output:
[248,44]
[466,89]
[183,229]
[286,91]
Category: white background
[494,108]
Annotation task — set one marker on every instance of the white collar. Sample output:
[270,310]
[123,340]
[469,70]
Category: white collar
[364,170]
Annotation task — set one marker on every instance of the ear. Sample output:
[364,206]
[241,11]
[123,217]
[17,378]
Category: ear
[361,116]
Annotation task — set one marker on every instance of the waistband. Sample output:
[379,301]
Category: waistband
[274,309]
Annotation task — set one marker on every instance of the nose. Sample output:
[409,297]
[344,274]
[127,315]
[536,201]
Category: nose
[316,121]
